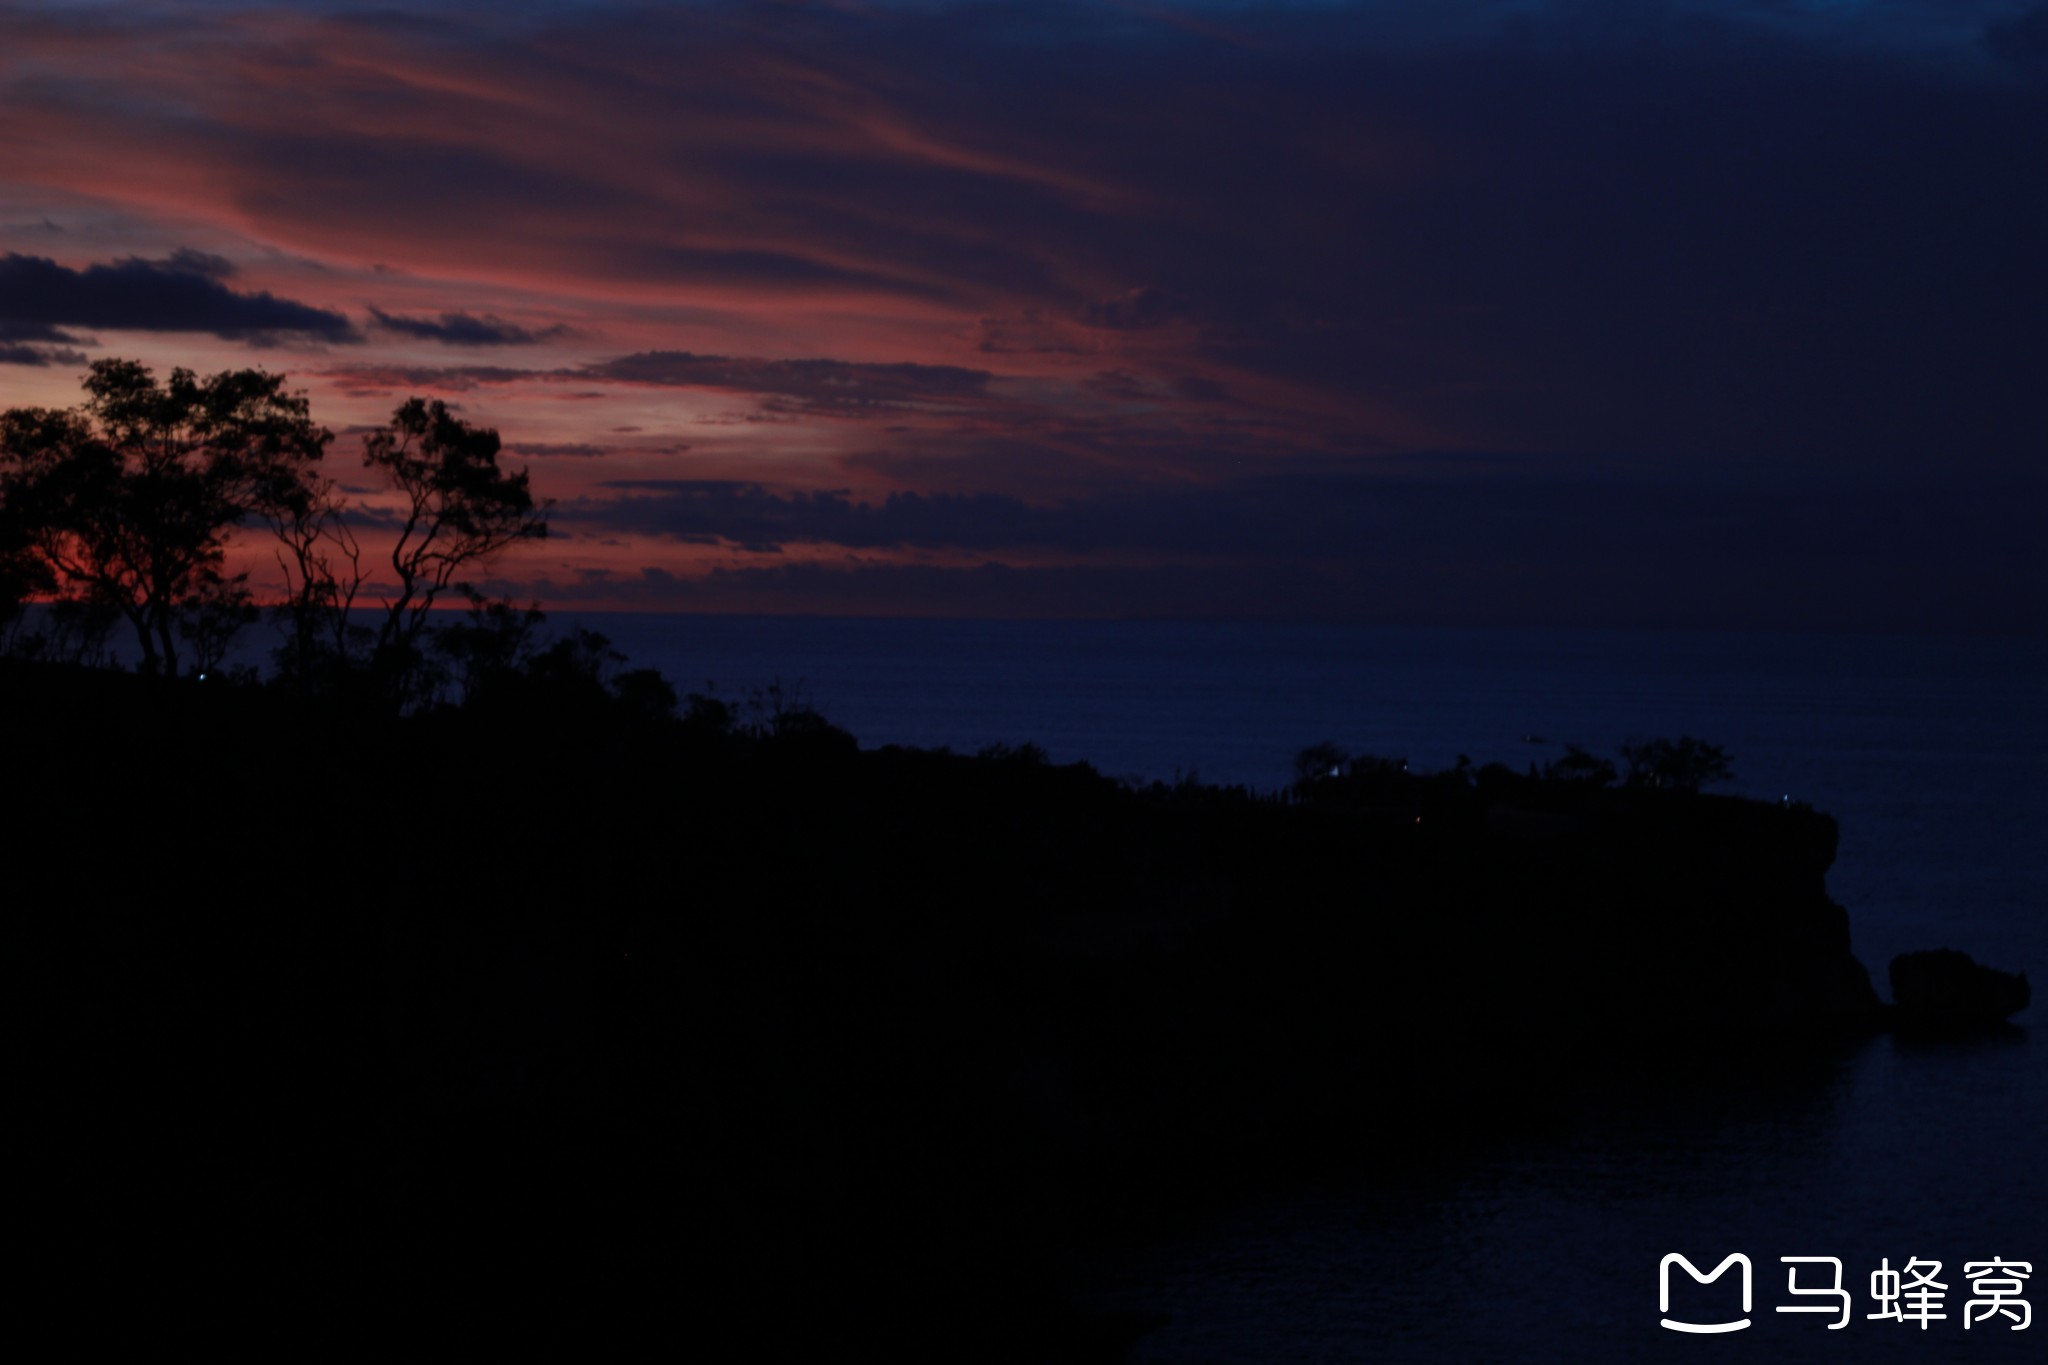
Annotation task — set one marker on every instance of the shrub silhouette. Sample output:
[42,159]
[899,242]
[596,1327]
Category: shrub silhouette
[1684,764]
[1319,762]
[1580,768]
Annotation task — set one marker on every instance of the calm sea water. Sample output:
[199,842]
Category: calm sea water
[1932,753]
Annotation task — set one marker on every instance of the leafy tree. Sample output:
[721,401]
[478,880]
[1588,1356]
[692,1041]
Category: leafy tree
[1025,755]
[126,503]
[457,508]
[128,499]
[1580,768]
[1318,761]
[494,643]
[68,631]
[707,717]
[211,616]
[576,669]
[499,660]
[645,694]
[322,562]
[23,575]
[1683,764]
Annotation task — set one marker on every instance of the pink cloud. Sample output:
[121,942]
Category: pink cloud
[1051,255]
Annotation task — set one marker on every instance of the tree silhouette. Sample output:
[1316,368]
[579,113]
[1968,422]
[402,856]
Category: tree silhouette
[1580,768]
[457,509]
[323,570]
[1319,761]
[125,504]
[23,574]
[1684,764]
[127,500]
[494,643]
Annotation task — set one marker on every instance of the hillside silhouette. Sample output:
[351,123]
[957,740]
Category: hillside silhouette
[583,1015]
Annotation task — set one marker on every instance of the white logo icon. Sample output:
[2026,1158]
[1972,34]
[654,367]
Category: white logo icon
[1664,1291]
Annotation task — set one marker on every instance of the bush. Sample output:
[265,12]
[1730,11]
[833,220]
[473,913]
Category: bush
[1580,768]
[1684,764]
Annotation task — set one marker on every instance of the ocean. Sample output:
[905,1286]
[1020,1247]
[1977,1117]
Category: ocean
[1931,753]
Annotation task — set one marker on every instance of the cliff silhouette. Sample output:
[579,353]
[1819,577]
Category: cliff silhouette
[561,1020]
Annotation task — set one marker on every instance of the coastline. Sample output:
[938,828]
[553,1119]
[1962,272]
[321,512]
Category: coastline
[874,1023]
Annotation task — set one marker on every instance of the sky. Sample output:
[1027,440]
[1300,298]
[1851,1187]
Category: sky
[1592,313]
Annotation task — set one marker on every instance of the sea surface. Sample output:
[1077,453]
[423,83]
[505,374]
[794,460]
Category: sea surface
[1932,754]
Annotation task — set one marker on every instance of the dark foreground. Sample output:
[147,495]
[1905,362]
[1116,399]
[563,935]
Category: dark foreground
[576,1027]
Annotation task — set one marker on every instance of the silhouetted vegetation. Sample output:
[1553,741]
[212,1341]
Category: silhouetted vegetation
[631,1027]
[457,508]
[127,500]
[1321,760]
[1684,764]
[1577,765]
[123,506]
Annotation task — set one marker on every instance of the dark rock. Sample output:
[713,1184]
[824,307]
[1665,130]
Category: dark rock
[1944,991]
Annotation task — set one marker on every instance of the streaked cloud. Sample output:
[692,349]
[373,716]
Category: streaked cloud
[185,292]
[968,297]
[461,329]
[12,353]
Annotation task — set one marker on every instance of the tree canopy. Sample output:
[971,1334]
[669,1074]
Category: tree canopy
[1684,764]
[127,500]
[126,503]
[458,507]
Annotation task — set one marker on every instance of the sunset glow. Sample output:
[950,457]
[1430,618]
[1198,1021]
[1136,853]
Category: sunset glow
[1725,315]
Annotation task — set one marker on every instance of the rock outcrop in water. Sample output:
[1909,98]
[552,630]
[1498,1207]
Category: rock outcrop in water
[1942,991]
